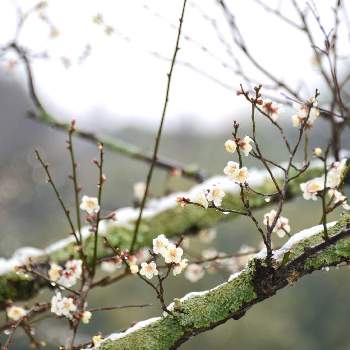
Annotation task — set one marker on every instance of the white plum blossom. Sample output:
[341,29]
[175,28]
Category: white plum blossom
[242,175]
[55,272]
[338,197]
[178,268]
[318,152]
[71,273]
[335,174]
[86,317]
[236,173]
[75,266]
[312,187]
[215,195]
[160,244]
[62,306]
[201,199]
[269,217]
[15,313]
[230,146]
[231,168]
[194,272]
[172,254]
[307,111]
[134,269]
[282,227]
[271,109]
[90,205]
[334,178]
[245,145]
[149,270]
[132,262]
[282,224]
[67,276]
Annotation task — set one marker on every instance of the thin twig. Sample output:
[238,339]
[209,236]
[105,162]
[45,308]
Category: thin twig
[99,198]
[159,133]
[58,196]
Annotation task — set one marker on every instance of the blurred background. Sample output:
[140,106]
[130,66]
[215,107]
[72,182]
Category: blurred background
[104,63]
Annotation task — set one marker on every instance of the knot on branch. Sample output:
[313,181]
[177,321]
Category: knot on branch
[264,278]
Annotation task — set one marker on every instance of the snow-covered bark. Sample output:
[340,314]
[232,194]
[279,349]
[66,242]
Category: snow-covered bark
[201,311]
[162,215]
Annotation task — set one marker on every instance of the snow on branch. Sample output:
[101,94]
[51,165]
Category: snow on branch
[155,221]
[198,312]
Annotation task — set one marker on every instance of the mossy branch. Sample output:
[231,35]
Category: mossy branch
[202,311]
[161,216]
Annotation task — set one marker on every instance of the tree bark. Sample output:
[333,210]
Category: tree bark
[202,311]
[162,215]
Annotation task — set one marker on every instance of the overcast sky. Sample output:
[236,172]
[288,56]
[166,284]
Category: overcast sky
[122,80]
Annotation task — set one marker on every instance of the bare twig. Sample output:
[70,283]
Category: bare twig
[160,129]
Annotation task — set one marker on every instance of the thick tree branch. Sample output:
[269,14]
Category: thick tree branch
[202,311]
[162,215]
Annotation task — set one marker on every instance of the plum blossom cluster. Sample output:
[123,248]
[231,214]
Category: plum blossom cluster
[171,253]
[131,262]
[281,227]
[243,144]
[66,307]
[63,306]
[113,264]
[67,276]
[307,113]
[235,172]
[314,188]
[271,109]
[213,195]
[339,198]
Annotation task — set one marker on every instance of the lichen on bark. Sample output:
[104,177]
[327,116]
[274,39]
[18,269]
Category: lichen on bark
[258,281]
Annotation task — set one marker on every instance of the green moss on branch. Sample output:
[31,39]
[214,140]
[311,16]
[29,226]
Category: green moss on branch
[232,299]
[172,222]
